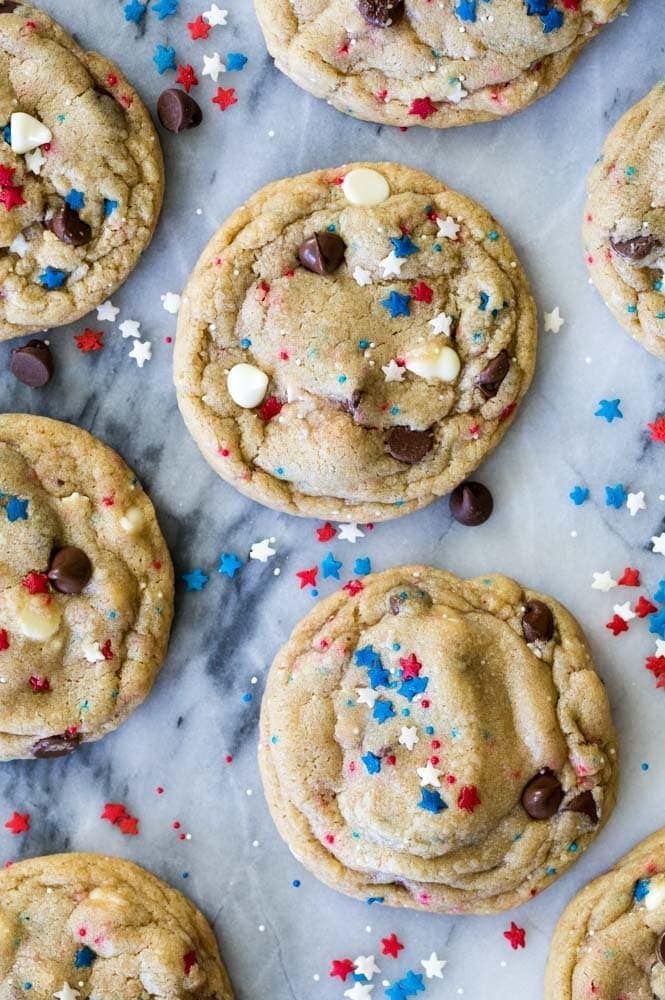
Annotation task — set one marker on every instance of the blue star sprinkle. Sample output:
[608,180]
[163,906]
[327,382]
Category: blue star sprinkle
[579,495]
[165,8]
[134,11]
[660,593]
[403,246]
[466,10]
[362,567]
[235,61]
[196,580]
[84,957]
[615,496]
[229,564]
[395,992]
[52,278]
[372,763]
[367,657]
[537,7]
[378,677]
[382,711]
[551,21]
[397,304]
[657,623]
[431,801]
[484,301]
[641,890]
[109,206]
[17,510]
[609,409]
[164,58]
[331,567]
[415,685]
[412,984]
[75,199]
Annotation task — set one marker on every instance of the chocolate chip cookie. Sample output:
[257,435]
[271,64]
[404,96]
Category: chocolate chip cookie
[86,589]
[624,222]
[354,342]
[610,941]
[82,925]
[415,62]
[81,175]
[438,743]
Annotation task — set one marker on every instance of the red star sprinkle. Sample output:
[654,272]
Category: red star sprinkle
[186,77]
[189,961]
[12,197]
[225,98]
[90,340]
[4,640]
[468,799]
[6,175]
[35,583]
[270,408]
[657,429]
[656,664]
[325,533]
[644,607]
[113,812]
[423,108]
[342,967]
[617,625]
[353,587]
[40,685]
[411,666]
[18,823]
[629,578]
[391,946]
[307,577]
[107,650]
[129,825]
[198,28]
[516,935]
[422,293]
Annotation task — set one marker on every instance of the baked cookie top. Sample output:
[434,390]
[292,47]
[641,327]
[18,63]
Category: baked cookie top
[624,222]
[438,743]
[353,342]
[81,175]
[82,925]
[610,941]
[86,588]
[452,62]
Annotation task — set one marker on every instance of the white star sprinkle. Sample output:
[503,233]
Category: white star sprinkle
[429,775]
[67,993]
[262,550]
[433,966]
[130,328]
[107,312]
[359,991]
[660,647]
[19,245]
[349,533]
[215,15]
[603,581]
[393,371]
[362,277]
[367,696]
[213,66]
[624,611]
[448,228]
[366,966]
[456,92]
[408,737]
[92,652]
[553,321]
[171,303]
[658,544]
[635,503]
[35,161]
[141,352]
[441,324]
[392,265]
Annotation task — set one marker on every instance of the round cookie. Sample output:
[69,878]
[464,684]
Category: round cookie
[81,175]
[453,62]
[353,342]
[610,941]
[83,925]
[437,743]
[624,222]
[86,589]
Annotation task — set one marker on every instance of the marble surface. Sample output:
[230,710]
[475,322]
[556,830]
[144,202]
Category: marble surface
[530,172]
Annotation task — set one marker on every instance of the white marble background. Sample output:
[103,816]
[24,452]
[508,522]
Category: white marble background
[530,172]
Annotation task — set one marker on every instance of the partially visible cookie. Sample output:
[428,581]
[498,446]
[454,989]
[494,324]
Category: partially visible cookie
[438,743]
[81,175]
[86,589]
[83,925]
[624,222]
[354,342]
[610,941]
[415,62]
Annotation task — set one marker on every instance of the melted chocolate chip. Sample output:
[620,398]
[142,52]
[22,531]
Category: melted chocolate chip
[381,13]
[394,604]
[56,746]
[69,227]
[409,446]
[660,949]
[32,364]
[70,570]
[490,379]
[635,249]
[178,111]
[543,795]
[471,504]
[537,622]
[584,803]
[322,253]
[8,7]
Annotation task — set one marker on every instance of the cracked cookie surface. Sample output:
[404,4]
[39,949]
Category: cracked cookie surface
[437,743]
[453,62]
[382,333]
[86,588]
[83,925]
[80,205]
[624,222]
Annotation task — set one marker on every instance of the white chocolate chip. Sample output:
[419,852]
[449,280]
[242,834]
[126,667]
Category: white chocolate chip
[39,617]
[655,897]
[27,132]
[132,521]
[434,362]
[247,385]
[365,187]
[107,896]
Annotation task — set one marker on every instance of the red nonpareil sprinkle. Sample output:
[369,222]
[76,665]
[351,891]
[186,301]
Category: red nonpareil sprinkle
[342,967]
[507,411]
[112,80]
[325,533]
[229,758]
[657,429]
[225,98]
[329,838]
[189,961]
[35,583]
[90,340]
[198,28]
[468,798]
[516,936]
[4,640]
[422,293]
[391,946]
[629,578]
[617,625]
[307,577]
[423,108]
[186,77]
[40,685]
[108,501]
[411,666]
[18,823]
[270,408]
[644,607]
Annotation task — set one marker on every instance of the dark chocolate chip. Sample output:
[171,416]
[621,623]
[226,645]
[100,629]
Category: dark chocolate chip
[490,379]
[409,446]
[660,949]
[322,253]
[537,622]
[69,227]
[543,795]
[351,405]
[394,604]
[381,13]
[636,249]
[56,746]
[471,503]
[584,803]
[8,7]
[70,570]
[178,111]
[32,364]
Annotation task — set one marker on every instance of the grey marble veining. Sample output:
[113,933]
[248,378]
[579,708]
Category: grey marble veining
[530,172]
